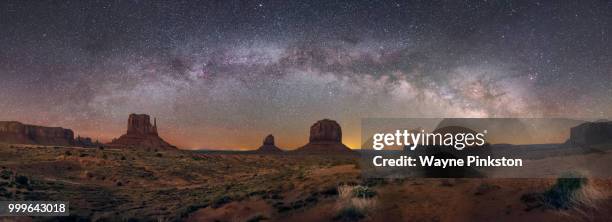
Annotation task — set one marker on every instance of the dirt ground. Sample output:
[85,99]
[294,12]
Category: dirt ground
[150,185]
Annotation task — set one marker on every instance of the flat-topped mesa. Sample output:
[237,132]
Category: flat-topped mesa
[591,133]
[141,134]
[325,138]
[268,145]
[19,133]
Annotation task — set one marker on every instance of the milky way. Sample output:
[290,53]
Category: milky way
[225,74]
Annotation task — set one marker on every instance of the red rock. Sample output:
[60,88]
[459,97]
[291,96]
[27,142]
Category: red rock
[16,132]
[326,131]
[591,133]
[269,140]
[141,134]
[86,142]
[140,124]
[268,145]
[325,138]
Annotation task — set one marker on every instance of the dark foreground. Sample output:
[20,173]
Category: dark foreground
[150,185]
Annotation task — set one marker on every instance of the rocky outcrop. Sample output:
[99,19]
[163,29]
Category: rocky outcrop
[19,133]
[591,133]
[269,140]
[517,130]
[87,142]
[141,134]
[326,131]
[325,138]
[268,145]
[140,124]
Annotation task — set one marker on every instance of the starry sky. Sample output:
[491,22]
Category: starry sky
[223,74]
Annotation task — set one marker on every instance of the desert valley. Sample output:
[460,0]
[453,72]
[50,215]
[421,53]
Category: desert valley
[140,177]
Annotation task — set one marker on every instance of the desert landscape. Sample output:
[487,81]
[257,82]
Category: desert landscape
[306,110]
[111,185]
[143,178]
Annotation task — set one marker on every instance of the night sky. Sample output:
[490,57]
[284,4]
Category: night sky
[223,74]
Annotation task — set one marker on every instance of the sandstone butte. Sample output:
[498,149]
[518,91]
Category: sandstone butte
[268,146]
[325,138]
[141,134]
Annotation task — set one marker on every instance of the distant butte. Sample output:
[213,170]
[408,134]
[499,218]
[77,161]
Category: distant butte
[325,138]
[141,134]
[268,146]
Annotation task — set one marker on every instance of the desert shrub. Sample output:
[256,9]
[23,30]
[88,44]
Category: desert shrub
[33,195]
[257,218]
[22,180]
[399,180]
[312,199]
[191,209]
[570,191]
[300,177]
[257,193]
[274,196]
[298,204]
[354,202]
[372,182]
[282,208]
[330,191]
[349,214]
[5,193]
[363,192]
[220,201]
[484,188]
[562,195]
[6,174]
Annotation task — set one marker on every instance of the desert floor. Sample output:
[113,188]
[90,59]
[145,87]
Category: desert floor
[158,185]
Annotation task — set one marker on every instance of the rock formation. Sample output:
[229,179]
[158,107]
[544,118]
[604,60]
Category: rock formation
[325,138]
[16,132]
[268,145]
[591,133]
[87,142]
[140,124]
[141,134]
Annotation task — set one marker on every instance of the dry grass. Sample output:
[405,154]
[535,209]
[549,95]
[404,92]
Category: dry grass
[169,187]
[586,199]
[348,200]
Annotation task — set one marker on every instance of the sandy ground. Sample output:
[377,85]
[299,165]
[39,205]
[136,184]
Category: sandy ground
[169,186]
